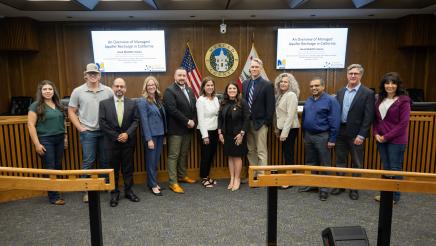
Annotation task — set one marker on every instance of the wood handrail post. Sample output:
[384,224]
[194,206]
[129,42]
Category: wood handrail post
[95,218]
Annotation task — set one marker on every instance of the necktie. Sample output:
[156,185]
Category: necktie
[250,95]
[120,111]
[186,94]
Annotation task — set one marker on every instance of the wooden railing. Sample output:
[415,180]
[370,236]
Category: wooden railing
[298,175]
[66,180]
[17,150]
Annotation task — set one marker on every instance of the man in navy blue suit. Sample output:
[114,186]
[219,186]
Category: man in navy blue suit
[259,95]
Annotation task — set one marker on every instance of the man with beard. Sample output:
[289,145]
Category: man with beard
[179,102]
[118,118]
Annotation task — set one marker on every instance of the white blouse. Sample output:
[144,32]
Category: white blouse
[385,105]
[207,114]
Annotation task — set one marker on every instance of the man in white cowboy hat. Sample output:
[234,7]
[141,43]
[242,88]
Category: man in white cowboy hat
[83,113]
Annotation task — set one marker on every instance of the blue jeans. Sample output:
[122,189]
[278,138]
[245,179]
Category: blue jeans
[92,143]
[52,159]
[392,157]
[152,159]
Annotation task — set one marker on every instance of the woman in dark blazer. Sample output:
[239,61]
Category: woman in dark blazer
[391,124]
[233,120]
[153,123]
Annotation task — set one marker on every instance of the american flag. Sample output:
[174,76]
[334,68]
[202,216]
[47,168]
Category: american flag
[194,77]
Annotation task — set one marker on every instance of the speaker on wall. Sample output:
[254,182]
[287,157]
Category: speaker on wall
[345,236]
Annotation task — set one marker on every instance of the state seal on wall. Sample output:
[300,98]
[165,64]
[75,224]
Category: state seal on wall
[221,59]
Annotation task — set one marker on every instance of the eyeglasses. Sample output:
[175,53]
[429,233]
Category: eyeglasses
[355,74]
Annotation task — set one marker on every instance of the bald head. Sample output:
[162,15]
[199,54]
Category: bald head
[119,87]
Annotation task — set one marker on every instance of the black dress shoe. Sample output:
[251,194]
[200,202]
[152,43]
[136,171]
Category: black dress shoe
[337,191]
[307,189]
[354,194]
[323,195]
[131,196]
[155,193]
[115,197]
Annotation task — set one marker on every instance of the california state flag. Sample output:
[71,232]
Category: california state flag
[246,71]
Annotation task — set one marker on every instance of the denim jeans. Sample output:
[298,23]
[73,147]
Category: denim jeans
[52,159]
[92,143]
[152,159]
[392,157]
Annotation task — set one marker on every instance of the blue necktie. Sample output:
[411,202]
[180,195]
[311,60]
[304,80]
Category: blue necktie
[250,95]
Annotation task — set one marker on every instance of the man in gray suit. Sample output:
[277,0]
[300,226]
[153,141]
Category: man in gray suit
[357,113]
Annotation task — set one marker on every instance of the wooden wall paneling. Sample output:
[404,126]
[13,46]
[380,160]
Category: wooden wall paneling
[5,92]
[78,52]
[429,78]
[18,34]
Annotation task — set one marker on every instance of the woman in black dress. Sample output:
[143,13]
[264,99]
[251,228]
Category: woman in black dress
[233,119]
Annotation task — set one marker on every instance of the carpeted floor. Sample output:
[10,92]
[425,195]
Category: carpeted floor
[212,217]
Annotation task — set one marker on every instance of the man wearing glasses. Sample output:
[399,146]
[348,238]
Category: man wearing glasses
[83,113]
[357,113]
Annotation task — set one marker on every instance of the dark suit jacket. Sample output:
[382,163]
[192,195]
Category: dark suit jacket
[179,110]
[263,105]
[239,120]
[108,120]
[361,112]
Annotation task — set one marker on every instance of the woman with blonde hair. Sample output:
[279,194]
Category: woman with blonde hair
[286,116]
[46,123]
[153,126]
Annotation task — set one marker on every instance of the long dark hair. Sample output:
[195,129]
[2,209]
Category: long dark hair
[203,84]
[395,78]
[40,106]
[226,97]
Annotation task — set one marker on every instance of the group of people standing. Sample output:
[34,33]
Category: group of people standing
[343,122]
[108,120]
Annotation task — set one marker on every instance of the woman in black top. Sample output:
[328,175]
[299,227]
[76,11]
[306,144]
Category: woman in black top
[233,119]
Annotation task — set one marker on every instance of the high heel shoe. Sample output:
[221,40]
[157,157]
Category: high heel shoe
[230,186]
[236,186]
[155,193]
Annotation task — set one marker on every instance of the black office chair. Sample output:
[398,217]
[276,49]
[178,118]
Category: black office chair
[417,95]
[20,105]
